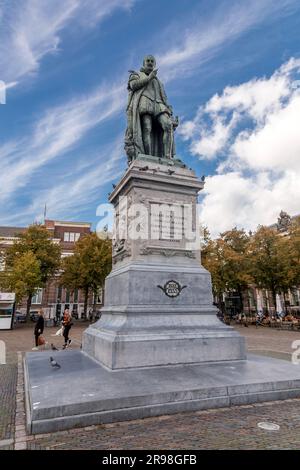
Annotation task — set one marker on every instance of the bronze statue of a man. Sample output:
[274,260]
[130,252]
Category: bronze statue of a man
[150,128]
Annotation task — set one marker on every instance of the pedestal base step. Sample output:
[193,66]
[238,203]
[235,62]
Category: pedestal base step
[83,393]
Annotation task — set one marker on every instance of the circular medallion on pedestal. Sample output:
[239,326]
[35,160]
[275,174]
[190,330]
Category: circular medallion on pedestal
[172,288]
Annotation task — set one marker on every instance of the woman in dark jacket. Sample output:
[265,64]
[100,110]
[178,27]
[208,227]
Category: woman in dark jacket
[67,323]
[39,328]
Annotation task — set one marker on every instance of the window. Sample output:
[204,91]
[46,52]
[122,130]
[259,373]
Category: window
[67,296]
[294,297]
[2,262]
[71,237]
[59,292]
[76,296]
[251,299]
[37,298]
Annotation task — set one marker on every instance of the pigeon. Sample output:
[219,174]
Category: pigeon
[171,171]
[53,347]
[144,168]
[114,186]
[203,178]
[54,363]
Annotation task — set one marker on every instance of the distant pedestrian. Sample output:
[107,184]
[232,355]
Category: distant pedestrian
[57,317]
[244,320]
[38,329]
[67,324]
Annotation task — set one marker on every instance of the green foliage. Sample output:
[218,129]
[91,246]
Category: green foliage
[226,258]
[294,253]
[270,260]
[36,240]
[25,276]
[88,267]
[36,245]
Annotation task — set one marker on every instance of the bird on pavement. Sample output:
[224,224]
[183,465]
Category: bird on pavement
[53,347]
[54,363]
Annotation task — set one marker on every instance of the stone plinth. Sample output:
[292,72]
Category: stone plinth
[158,299]
[83,393]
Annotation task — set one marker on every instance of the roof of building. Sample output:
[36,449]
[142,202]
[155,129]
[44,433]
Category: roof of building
[11,231]
[51,223]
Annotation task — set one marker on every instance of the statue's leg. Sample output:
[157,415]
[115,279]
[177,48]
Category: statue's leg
[147,130]
[167,127]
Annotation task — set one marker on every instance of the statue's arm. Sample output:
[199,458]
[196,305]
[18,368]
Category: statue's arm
[135,82]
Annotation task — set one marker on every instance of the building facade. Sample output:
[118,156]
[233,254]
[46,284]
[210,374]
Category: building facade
[54,298]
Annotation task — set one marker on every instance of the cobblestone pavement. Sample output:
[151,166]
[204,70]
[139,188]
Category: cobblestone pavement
[21,339]
[8,382]
[274,340]
[257,339]
[226,428]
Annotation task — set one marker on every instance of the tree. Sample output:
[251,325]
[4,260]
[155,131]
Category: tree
[24,277]
[35,242]
[226,259]
[88,267]
[270,261]
[294,253]
[213,261]
[237,272]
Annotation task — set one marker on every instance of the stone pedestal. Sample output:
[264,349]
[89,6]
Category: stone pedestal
[158,347]
[158,299]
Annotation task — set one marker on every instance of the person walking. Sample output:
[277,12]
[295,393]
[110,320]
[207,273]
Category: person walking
[67,324]
[38,329]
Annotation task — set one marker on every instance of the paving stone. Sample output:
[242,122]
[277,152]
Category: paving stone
[20,446]
[227,428]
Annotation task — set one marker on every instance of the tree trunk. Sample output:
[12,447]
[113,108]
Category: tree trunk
[103,293]
[240,292]
[220,302]
[284,300]
[273,290]
[28,305]
[248,301]
[94,305]
[86,298]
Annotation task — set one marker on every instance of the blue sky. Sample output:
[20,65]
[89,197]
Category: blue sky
[230,70]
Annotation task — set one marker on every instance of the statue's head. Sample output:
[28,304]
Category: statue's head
[149,63]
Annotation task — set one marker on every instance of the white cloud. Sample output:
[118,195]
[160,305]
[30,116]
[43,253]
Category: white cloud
[275,145]
[234,199]
[74,193]
[213,139]
[266,102]
[32,29]
[255,128]
[58,131]
[201,41]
